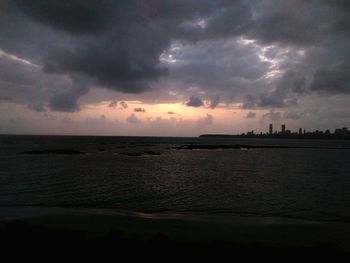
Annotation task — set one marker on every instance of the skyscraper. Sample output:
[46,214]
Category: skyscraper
[270,129]
[283,128]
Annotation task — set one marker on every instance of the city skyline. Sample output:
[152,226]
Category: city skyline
[339,133]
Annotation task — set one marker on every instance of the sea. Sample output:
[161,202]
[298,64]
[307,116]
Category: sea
[303,179]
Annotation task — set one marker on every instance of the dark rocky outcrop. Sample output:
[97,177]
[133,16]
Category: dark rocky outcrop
[54,151]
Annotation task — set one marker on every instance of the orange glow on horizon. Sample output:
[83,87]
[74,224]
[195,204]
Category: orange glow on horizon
[221,115]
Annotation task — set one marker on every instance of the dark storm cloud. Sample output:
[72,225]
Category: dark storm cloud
[120,45]
[292,115]
[117,44]
[250,102]
[297,22]
[287,115]
[273,116]
[335,80]
[214,102]
[340,114]
[5,99]
[194,102]
[221,65]
[321,28]
[288,82]
[79,16]
[38,107]
[67,101]
[125,38]
[25,84]
[113,104]
[123,105]
[139,110]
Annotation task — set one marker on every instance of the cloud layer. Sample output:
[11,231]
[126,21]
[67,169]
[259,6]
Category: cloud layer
[257,54]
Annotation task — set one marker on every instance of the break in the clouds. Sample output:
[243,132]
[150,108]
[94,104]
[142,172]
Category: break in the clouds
[256,54]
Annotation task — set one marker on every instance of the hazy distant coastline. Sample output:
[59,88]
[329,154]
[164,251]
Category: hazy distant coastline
[258,136]
[339,134]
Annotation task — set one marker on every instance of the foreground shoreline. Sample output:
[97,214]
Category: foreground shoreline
[169,231]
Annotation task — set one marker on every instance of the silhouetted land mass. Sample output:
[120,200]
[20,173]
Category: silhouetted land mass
[339,134]
[138,154]
[153,153]
[241,146]
[132,154]
[74,152]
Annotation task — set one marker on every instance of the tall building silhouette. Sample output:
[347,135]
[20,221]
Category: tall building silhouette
[270,129]
[283,128]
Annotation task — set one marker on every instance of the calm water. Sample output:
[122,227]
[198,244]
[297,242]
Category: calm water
[298,183]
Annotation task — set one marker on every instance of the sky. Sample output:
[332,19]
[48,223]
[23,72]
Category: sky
[173,67]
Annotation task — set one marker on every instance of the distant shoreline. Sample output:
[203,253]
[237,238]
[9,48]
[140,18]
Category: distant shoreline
[278,136]
[255,136]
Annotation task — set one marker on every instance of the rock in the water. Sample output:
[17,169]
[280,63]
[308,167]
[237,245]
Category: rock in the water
[55,151]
